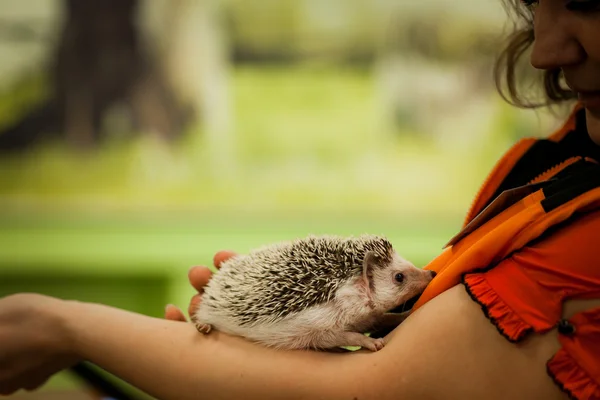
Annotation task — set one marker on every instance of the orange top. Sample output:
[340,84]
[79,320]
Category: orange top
[511,227]
[523,252]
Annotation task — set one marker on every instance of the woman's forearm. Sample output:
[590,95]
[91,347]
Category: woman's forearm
[171,360]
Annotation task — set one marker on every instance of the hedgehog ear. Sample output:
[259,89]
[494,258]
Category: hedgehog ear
[369,264]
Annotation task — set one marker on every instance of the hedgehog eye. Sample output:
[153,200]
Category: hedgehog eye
[399,277]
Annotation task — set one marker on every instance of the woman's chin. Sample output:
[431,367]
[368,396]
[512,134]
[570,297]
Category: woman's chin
[593,125]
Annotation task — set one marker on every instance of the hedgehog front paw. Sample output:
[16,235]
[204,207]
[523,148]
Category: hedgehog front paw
[359,339]
[203,328]
[375,344]
[372,344]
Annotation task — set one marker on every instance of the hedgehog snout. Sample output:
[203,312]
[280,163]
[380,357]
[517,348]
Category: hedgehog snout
[425,276]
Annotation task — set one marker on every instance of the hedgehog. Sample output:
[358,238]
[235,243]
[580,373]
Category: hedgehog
[319,292]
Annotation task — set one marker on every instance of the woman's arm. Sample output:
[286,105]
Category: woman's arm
[446,350]
[171,360]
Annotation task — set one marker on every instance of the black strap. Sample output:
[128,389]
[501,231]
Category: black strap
[545,154]
[571,182]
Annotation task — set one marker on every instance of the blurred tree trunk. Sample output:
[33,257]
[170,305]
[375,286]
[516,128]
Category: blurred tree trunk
[100,63]
[196,57]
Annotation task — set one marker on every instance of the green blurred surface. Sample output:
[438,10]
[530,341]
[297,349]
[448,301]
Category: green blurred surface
[142,262]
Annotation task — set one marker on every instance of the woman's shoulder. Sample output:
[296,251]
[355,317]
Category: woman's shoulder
[448,349]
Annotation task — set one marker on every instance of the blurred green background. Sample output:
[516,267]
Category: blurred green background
[139,137]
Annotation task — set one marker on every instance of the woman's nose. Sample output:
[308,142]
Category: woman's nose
[556,44]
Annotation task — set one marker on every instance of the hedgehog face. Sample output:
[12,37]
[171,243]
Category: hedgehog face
[394,283]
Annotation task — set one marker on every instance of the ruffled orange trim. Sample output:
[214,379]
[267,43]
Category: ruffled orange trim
[508,323]
[571,378]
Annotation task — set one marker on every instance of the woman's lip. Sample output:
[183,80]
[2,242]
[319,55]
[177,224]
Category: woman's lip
[590,100]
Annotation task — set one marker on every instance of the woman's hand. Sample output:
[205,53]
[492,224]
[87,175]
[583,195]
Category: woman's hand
[34,342]
[199,277]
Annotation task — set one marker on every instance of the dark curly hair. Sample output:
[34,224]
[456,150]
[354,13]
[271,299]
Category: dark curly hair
[509,73]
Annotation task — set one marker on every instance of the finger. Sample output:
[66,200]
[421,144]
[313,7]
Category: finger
[194,304]
[199,277]
[173,313]
[222,256]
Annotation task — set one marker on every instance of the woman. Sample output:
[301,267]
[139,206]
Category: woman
[448,348]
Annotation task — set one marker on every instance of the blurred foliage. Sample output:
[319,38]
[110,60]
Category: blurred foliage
[305,139]
[410,130]
[356,30]
[17,98]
